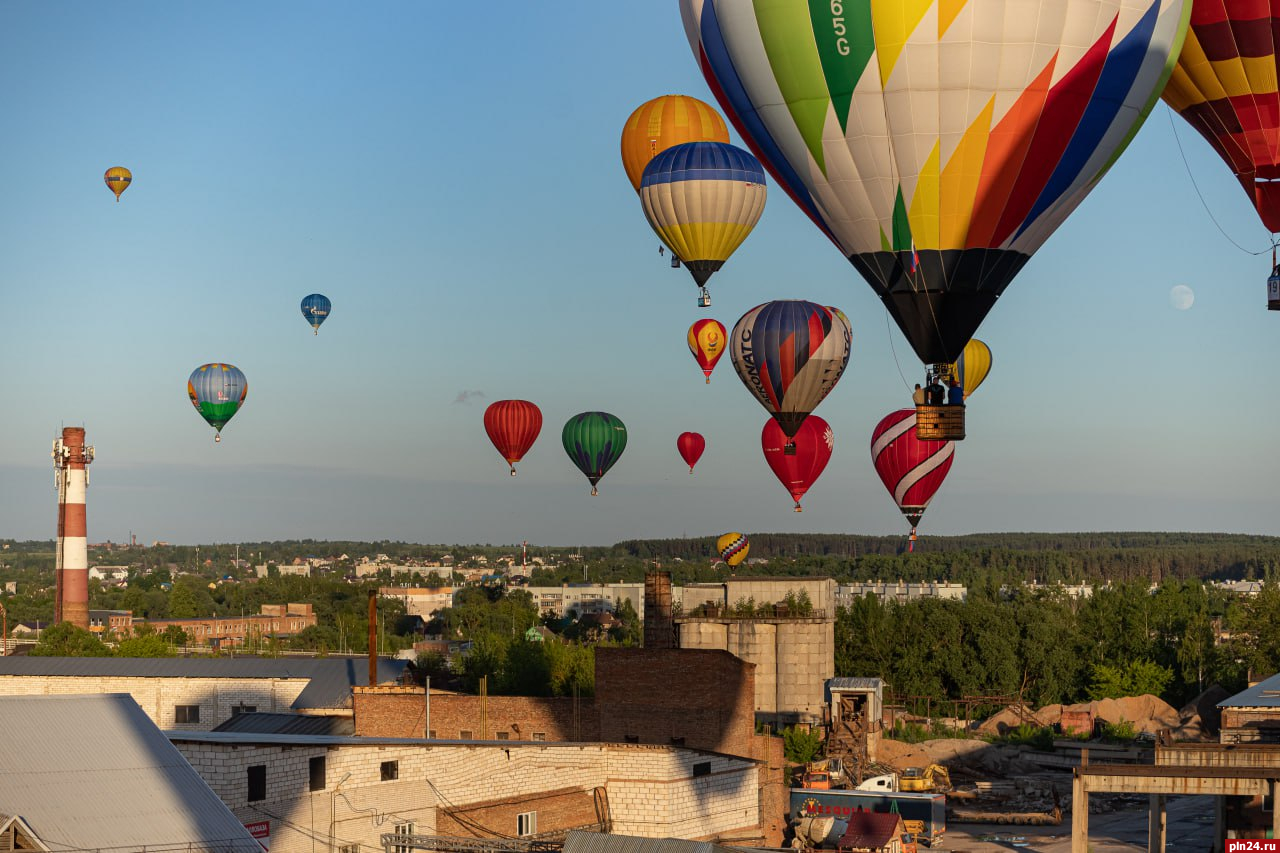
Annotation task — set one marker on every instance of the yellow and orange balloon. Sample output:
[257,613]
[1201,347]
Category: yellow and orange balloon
[118,179]
[733,548]
[706,342]
[663,122]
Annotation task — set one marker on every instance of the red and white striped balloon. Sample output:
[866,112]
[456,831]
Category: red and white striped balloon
[910,468]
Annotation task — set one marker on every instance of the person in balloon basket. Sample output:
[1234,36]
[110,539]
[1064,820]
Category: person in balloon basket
[955,394]
[934,393]
[917,396]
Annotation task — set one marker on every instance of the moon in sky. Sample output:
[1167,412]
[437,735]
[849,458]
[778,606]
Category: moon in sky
[1182,297]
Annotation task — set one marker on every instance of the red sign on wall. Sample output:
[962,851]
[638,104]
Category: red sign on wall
[260,830]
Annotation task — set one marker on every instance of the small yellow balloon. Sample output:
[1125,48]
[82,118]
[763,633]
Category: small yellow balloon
[973,366]
[733,548]
[118,179]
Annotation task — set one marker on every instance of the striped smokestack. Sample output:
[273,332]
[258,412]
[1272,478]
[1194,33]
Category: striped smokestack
[70,456]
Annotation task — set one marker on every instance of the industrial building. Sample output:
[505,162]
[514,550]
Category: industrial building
[94,773]
[197,694]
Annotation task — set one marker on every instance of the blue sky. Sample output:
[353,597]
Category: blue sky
[448,174]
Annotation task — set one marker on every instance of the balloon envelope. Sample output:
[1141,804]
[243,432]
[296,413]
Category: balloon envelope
[790,354]
[936,143]
[513,427]
[706,342]
[690,445]
[217,391]
[594,441]
[316,308]
[118,179]
[911,469]
[1224,85]
[669,120]
[799,470]
[732,548]
[973,366]
[703,199]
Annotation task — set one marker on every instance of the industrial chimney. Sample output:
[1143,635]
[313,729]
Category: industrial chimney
[71,478]
[659,624]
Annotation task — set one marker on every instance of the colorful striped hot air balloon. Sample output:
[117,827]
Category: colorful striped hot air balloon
[1225,85]
[733,548]
[118,179]
[702,199]
[594,441]
[911,469]
[937,143]
[217,391]
[513,427]
[706,342]
[790,354]
[669,120]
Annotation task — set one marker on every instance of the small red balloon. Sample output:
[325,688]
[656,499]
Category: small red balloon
[691,445]
[513,427]
[798,471]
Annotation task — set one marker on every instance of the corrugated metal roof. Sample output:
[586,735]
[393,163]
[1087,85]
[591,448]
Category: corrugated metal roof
[330,679]
[289,724]
[855,684]
[579,841]
[1264,694]
[93,772]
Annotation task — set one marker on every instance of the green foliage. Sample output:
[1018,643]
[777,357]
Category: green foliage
[66,640]
[1134,678]
[798,604]
[1123,731]
[148,646]
[1038,737]
[800,745]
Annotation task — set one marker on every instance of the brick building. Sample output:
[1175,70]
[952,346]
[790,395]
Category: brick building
[344,793]
[275,621]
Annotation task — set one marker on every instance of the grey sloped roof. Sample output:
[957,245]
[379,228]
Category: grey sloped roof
[93,772]
[1264,694]
[579,841]
[854,683]
[331,679]
[288,724]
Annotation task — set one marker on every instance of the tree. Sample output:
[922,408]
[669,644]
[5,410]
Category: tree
[67,640]
[147,646]
[1134,678]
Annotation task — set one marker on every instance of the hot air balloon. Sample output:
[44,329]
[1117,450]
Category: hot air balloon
[703,199]
[217,391]
[972,367]
[118,179]
[799,470]
[669,120]
[910,468]
[706,342]
[937,143]
[513,427]
[1224,85]
[691,445]
[594,441]
[315,308]
[732,548]
[790,354]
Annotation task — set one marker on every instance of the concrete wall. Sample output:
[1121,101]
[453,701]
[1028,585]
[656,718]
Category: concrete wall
[160,696]
[822,591]
[650,791]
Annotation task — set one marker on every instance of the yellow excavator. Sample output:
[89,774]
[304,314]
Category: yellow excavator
[932,778]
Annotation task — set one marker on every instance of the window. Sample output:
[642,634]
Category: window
[185,715]
[316,766]
[401,829]
[237,710]
[349,848]
[504,735]
[465,734]
[257,782]
[390,770]
[527,824]
[702,768]
[431,733]
[539,735]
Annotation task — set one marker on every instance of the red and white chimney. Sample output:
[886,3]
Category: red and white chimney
[71,476]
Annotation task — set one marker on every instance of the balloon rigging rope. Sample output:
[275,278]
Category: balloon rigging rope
[1212,218]
[893,349]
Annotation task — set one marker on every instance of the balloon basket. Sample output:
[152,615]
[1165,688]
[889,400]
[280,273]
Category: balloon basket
[940,423]
[217,437]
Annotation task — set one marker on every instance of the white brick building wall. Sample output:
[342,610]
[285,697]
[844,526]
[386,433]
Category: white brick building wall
[651,790]
[159,697]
